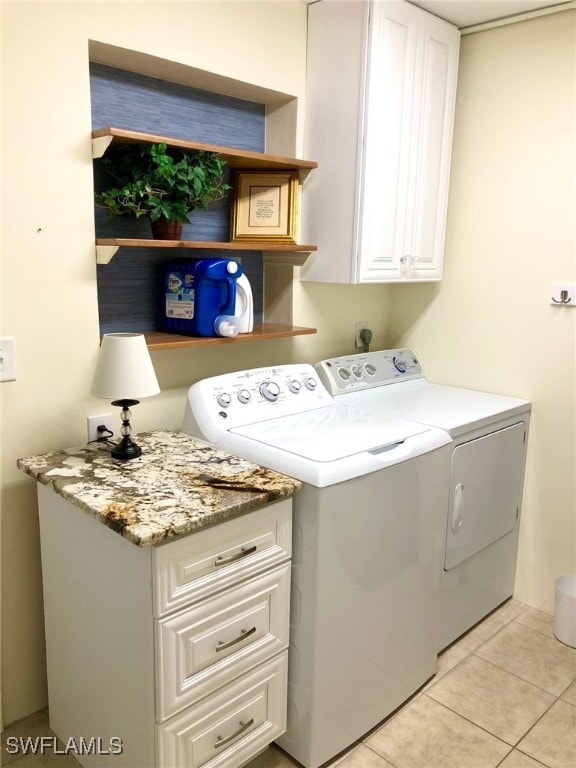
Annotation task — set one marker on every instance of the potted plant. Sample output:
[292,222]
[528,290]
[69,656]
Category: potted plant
[160,182]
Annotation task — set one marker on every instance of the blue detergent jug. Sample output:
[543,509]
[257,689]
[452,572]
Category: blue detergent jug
[197,293]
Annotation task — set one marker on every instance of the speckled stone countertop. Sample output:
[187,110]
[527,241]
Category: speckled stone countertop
[178,486]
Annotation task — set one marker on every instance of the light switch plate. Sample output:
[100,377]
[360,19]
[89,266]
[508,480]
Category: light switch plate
[7,358]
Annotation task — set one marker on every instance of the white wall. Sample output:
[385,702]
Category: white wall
[49,301]
[489,325]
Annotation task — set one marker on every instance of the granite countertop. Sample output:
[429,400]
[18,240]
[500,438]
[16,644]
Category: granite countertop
[178,486]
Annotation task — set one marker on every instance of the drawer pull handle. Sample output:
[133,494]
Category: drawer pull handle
[243,727]
[238,556]
[242,636]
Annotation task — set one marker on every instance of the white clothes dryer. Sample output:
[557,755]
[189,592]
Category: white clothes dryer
[367,544]
[486,478]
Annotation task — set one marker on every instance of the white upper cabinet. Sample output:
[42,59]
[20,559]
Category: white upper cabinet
[380,97]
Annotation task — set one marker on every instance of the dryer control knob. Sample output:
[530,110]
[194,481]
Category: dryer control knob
[310,383]
[270,391]
[370,369]
[357,371]
[399,364]
[294,386]
[224,399]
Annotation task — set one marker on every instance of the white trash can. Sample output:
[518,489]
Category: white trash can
[565,615]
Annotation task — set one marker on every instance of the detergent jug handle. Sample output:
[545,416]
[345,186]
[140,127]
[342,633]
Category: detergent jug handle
[233,273]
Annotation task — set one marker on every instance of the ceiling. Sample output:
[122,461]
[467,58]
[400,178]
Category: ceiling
[467,13]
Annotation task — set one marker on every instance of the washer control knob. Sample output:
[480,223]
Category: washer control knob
[357,371]
[294,386]
[344,374]
[243,396]
[310,383]
[399,364]
[370,369]
[224,399]
[270,391]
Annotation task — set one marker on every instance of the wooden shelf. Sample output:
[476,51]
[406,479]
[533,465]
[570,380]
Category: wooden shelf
[235,158]
[106,247]
[157,340]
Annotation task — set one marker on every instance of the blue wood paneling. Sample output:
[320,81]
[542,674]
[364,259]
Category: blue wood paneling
[130,287]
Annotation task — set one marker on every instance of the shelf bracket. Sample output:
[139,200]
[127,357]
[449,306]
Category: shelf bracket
[105,253]
[100,145]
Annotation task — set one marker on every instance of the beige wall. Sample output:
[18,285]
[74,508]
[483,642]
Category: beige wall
[489,325]
[49,301]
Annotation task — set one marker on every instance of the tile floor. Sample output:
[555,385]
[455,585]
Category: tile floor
[504,695]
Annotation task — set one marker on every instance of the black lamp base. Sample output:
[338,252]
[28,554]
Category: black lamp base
[126,449]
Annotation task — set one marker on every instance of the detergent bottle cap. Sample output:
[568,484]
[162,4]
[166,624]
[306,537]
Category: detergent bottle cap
[232,267]
[226,325]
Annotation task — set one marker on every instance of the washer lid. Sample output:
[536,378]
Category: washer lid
[332,432]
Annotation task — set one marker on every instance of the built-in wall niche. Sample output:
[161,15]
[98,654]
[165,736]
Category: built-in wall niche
[130,286]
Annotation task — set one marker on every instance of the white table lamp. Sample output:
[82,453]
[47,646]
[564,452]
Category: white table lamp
[124,374]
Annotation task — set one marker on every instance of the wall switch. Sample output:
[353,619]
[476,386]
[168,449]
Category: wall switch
[93,422]
[7,359]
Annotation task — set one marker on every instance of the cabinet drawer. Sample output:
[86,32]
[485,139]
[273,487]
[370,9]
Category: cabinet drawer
[229,727]
[189,570]
[202,648]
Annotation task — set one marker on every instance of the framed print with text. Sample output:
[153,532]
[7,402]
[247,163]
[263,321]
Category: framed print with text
[265,206]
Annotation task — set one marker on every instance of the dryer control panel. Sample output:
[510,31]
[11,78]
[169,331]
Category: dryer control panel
[369,369]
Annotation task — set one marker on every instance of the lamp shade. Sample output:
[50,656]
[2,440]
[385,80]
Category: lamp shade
[124,368]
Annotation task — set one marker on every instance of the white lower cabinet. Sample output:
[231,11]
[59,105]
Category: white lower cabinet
[221,661]
[179,651]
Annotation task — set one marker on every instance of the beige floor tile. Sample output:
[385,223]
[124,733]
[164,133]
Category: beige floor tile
[538,620]
[519,760]
[47,760]
[506,613]
[447,661]
[361,757]
[553,738]
[34,725]
[273,757]
[570,694]
[428,735]
[501,703]
[540,660]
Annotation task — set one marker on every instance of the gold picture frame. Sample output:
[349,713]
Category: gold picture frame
[265,206]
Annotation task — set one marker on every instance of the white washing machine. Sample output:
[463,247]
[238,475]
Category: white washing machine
[487,472]
[367,544]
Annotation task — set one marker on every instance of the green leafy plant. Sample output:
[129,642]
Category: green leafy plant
[158,181]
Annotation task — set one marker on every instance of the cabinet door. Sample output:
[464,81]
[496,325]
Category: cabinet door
[431,149]
[389,116]
[413,62]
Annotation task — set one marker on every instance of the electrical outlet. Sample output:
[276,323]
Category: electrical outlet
[93,422]
[359,328]
[7,359]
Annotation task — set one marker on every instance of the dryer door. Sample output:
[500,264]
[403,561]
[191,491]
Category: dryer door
[485,494]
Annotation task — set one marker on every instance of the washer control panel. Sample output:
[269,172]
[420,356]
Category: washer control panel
[368,369]
[246,397]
